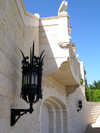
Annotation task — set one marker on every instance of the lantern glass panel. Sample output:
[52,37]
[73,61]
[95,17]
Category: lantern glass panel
[80,104]
[25,80]
[36,79]
[28,78]
[32,78]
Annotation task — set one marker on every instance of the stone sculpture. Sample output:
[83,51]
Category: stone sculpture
[77,56]
[63,7]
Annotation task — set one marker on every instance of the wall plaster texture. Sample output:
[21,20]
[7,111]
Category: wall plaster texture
[18,29]
[16,34]
[55,98]
[59,54]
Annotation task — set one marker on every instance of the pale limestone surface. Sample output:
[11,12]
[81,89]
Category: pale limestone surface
[15,35]
[82,72]
[28,18]
[64,109]
[97,122]
[59,58]
[58,108]
[82,87]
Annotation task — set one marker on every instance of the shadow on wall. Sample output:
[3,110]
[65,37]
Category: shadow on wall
[49,42]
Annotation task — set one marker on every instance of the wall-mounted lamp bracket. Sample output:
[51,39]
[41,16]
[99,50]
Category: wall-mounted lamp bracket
[18,113]
[79,105]
[31,90]
[78,110]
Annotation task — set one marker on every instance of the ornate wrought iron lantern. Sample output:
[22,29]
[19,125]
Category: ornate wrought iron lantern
[79,105]
[31,83]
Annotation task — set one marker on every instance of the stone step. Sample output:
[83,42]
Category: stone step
[92,132]
[91,129]
[94,128]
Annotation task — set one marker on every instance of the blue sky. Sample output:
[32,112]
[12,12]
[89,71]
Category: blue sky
[85,22]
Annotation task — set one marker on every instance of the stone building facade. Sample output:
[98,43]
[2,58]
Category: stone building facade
[57,111]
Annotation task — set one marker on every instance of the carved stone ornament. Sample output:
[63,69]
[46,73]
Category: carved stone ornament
[63,45]
[63,7]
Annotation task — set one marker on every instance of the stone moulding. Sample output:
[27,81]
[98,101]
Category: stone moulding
[63,45]
[48,18]
[60,61]
[68,70]
[28,18]
[66,75]
[26,12]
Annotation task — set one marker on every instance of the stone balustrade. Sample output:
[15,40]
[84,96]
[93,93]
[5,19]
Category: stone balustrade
[75,63]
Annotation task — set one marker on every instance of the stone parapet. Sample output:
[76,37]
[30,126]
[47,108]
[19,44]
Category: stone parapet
[60,60]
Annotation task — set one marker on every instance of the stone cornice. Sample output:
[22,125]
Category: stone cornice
[63,14]
[48,18]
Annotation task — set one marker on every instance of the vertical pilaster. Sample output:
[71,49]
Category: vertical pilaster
[51,120]
[58,119]
[63,30]
[62,120]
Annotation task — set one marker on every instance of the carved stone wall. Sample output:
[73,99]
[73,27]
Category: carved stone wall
[15,36]
[48,34]
[82,87]
[17,33]
[64,107]
[78,121]
[54,102]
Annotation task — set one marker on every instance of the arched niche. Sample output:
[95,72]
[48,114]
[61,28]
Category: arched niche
[53,116]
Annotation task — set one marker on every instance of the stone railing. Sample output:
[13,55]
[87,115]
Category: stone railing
[74,62]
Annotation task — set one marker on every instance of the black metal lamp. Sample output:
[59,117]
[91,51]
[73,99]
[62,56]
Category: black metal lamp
[31,84]
[79,105]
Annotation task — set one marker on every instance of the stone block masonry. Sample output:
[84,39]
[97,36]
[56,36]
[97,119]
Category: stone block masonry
[57,111]
[15,36]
